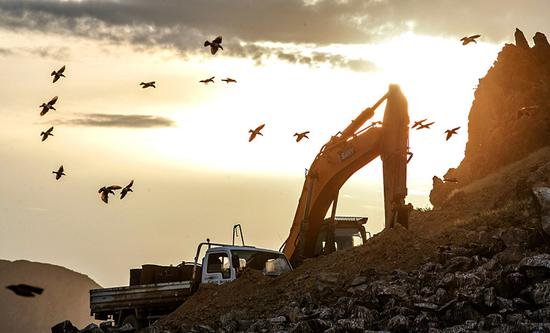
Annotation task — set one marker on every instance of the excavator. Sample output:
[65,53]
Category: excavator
[312,234]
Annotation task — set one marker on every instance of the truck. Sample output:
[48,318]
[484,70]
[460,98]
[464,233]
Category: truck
[155,291]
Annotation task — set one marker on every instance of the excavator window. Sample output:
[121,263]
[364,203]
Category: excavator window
[219,263]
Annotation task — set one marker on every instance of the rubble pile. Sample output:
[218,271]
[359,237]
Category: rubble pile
[510,115]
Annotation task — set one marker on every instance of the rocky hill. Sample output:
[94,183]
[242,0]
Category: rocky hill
[510,115]
[65,296]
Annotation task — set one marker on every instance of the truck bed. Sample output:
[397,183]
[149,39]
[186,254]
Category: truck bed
[141,296]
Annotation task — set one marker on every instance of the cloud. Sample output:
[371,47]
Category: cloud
[183,25]
[5,52]
[118,120]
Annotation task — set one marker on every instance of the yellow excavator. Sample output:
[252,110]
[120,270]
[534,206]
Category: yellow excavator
[344,154]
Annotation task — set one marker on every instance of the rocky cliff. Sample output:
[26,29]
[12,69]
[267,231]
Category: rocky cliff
[65,296]
[510,115]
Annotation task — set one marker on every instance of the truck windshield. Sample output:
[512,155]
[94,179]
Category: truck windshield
[257,260]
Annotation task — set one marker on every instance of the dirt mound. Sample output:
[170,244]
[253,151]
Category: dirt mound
[510,115]
[485,210]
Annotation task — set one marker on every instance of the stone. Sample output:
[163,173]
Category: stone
[521,41]
[460,263]
[539,293]
[64,327]
[515,237]
[536,266]
[278,320]
[398,323]
[542,196]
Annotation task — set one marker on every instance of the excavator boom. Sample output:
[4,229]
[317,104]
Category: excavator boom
[339,159]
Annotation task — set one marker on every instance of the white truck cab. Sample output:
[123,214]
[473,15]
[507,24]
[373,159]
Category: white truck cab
[223,263]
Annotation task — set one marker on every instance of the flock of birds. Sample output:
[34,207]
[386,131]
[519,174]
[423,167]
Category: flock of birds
[60,172]
[26,290]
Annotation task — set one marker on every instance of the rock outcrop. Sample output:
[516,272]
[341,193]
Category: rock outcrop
[510,115]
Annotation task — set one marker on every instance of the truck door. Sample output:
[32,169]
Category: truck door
[218,268]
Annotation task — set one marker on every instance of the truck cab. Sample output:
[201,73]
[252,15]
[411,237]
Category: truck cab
[224,263]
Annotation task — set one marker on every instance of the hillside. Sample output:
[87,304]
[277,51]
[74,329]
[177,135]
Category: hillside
[65,297]
[477,262]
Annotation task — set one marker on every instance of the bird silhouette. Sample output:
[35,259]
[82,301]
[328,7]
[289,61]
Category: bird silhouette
[58,74]
[214,45]
[47,133]
[150,84]
[469,39]
[126,189]
[255,132]
[207,81]
[48,106]
[451,132]
[229,80]
[106,190]
[59,173]
[418,123]
[25,290]
[427,126]
[300,136]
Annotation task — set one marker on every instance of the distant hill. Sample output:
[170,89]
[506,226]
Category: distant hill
[65,297]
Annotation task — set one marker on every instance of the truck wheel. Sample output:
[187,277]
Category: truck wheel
[132,320]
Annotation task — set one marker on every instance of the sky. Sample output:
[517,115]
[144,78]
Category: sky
[300,65]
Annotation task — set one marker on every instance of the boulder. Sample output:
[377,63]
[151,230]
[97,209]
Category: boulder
[398,323]
[535,267]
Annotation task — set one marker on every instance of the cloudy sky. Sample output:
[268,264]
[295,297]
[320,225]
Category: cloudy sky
[300,65]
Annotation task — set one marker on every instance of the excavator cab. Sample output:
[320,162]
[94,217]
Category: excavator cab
[343,233]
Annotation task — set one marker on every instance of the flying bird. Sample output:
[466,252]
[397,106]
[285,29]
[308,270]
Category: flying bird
[300,136]
[148,84]
[451,132]
[25,290]
[106,190]
[418,123]
[48,106]
[126,189]
[427,126]
[255,132]
[469,39]
[59,173]
[214,45]
[58,74]
[229,80]
[207,81]
[47,133]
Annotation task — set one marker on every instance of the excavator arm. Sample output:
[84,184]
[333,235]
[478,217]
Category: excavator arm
[340,158]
